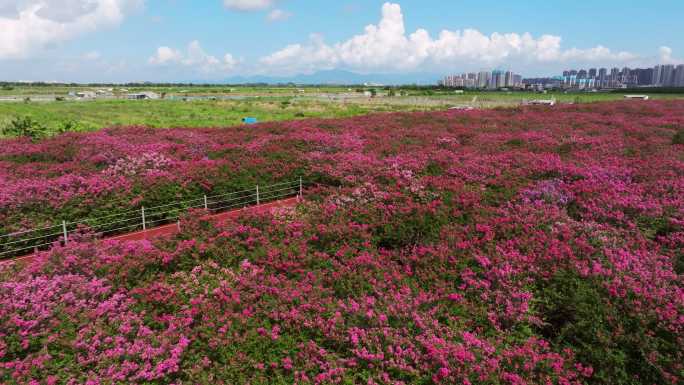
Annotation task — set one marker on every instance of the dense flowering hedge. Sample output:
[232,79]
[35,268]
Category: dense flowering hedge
[76,175]
[529,246]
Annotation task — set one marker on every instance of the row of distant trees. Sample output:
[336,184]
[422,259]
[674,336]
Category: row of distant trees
[652,90]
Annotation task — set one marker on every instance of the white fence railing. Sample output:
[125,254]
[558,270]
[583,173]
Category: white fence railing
[143,218]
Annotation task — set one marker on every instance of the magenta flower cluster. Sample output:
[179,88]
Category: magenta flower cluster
[527,246]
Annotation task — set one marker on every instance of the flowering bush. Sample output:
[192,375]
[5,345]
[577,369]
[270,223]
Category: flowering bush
[140,165]
[511,247]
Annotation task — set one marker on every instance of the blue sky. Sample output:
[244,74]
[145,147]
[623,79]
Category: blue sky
[212,40]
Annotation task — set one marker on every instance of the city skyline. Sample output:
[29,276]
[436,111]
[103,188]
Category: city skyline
[661,75]
[484,80]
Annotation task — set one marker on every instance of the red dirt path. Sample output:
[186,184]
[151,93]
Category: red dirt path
[172,229]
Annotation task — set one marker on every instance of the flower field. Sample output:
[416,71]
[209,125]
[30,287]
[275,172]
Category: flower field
[504,246]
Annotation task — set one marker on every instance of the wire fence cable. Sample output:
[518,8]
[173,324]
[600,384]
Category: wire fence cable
[23,242]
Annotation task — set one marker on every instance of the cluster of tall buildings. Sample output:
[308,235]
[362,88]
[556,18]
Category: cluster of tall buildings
[667,75]
[484,80]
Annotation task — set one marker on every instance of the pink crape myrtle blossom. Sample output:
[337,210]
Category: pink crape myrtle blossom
[506,246]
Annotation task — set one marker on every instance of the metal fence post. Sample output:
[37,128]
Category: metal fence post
[64,230]
[257,191]
[206,205]
[301,193]
[142,212]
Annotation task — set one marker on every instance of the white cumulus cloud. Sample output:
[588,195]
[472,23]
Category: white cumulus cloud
[31,25]
[387,47]
[194,57]
[248,5]
[311,57]
[165,55]
[666,56]
[278,15]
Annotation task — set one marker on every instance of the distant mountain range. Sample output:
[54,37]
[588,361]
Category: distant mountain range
[340,77]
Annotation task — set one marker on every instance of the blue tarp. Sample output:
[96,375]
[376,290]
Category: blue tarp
[249,120]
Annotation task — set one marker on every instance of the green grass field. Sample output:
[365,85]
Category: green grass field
[265,104]
[92,115]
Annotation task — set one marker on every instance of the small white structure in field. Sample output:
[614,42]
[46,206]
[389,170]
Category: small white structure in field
[639,97]
[145,95]
[86,94]
[542,102]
